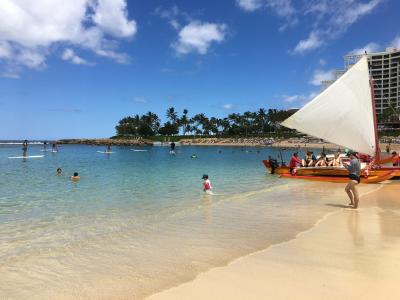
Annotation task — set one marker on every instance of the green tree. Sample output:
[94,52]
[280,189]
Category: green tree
[169,129]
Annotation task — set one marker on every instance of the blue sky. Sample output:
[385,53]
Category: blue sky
[74,68]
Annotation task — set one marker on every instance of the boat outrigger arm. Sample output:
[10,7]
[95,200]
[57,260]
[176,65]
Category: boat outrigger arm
[344,113]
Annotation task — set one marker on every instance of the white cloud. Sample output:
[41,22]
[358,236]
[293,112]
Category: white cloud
[395,43]
[322,62]
[69,54]
[112,17]
[330,19]
[140,99]
[370,48]
[298,100]
[5,49]
[282,8]
[171,15]
[198,36]
[227,106]
[31,29]
[308,44]
[321,75]
[249,5]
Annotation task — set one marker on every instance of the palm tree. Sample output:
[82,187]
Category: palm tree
[184,121]
[261,120]
[172,115]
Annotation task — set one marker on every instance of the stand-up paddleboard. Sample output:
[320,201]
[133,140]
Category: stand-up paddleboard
[53,151]
[47,150]
[28,156]
[106,152]
[139,150]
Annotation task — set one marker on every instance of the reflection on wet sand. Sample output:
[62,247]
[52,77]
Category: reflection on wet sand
[353,225]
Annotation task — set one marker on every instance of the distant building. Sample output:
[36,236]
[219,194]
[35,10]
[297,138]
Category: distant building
[384,68]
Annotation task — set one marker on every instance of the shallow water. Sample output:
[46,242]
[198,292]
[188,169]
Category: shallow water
[138,222]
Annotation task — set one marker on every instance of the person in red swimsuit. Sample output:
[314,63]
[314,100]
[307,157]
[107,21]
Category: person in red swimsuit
[294,163]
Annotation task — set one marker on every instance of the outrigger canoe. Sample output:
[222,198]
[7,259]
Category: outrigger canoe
[341,179]
[331,171]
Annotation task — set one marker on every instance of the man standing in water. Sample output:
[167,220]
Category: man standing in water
[172,148]
[354,178]
[25,147]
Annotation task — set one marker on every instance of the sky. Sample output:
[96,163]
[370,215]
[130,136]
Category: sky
[72,69]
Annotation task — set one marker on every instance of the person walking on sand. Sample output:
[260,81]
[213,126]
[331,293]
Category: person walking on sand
[354,179]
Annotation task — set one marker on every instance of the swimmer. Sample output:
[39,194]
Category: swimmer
[59,172]
[75,177]
[193,156]
[207,187]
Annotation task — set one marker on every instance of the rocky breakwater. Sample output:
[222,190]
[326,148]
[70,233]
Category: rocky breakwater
[116,142]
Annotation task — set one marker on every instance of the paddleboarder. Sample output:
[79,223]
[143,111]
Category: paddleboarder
[24,147]
[354,168]
[172,145]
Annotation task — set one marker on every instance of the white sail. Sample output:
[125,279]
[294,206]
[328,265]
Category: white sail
[341,114]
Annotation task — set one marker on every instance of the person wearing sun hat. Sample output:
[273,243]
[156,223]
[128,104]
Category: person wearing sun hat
[207,187]
[354,169]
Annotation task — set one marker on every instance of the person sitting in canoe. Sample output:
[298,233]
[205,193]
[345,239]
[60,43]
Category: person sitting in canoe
[395,159]
[295,162]
[322,161]
[309,159]
[336,161]
[273,163]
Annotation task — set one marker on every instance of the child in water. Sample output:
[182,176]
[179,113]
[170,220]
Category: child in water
[59,171]
[75,177]
[207,187]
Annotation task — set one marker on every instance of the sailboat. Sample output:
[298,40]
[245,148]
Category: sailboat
[343,114]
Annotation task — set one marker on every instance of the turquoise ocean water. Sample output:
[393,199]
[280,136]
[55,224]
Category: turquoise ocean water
[138,222]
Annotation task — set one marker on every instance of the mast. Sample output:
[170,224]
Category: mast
[377,149]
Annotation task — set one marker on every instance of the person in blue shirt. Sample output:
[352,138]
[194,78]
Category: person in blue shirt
[354,168]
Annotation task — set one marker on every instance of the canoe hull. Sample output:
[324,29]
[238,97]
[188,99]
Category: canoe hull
[333,171]
[339,179]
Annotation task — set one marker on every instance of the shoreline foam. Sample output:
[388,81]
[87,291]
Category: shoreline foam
[236,280]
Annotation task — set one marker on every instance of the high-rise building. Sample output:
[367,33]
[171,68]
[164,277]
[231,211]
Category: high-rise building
[384,68]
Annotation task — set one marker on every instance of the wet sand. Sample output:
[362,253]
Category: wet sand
[349,254]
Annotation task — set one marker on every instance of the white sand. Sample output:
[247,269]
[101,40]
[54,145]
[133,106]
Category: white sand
[350,254]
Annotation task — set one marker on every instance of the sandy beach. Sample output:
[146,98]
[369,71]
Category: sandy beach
[349,254]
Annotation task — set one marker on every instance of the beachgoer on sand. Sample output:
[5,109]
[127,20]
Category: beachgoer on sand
[207,187]
[354,179]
